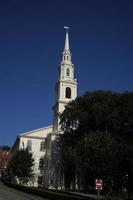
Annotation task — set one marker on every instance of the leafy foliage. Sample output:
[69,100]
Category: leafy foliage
[98,136]
[21,165]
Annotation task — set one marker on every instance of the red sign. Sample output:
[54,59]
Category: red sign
[99,184]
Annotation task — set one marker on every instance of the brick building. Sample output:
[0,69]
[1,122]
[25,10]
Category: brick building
[5,157]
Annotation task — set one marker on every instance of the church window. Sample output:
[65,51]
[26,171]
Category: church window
[29,145]
[42,146]
[23,144]
[40,180]
[64,58]
[67,57]
[68,72]
[68,93]
[41,162]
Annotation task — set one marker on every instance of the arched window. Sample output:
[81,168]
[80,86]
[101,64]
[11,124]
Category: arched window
[29,145]
[68,72]
[67,57]
[68,93]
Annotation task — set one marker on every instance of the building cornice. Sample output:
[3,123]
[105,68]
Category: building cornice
[34,137]
[35,130]
[69,81]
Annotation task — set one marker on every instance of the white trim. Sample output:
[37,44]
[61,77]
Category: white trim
[35,130]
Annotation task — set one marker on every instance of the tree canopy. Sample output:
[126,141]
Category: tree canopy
[21,165]
[98,138]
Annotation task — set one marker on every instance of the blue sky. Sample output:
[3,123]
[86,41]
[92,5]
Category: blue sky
[31,43]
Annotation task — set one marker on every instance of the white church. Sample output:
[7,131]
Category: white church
[42,142]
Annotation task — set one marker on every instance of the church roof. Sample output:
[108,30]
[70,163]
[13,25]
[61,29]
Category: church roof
[41,132]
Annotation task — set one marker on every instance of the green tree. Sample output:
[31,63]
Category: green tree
[98,136]
[96,155]
[21,165]
[68,162]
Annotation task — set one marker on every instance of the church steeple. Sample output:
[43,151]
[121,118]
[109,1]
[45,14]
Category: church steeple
[66,86]
[66,56]
[67,39]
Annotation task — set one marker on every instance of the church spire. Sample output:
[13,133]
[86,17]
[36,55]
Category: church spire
[66,57]
[67,39]
[66,86]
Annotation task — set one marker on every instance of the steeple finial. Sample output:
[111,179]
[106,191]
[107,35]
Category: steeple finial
[67,38]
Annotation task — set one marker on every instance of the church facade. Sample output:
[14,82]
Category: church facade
[42,143]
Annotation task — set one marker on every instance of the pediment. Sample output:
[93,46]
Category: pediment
[40,133]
